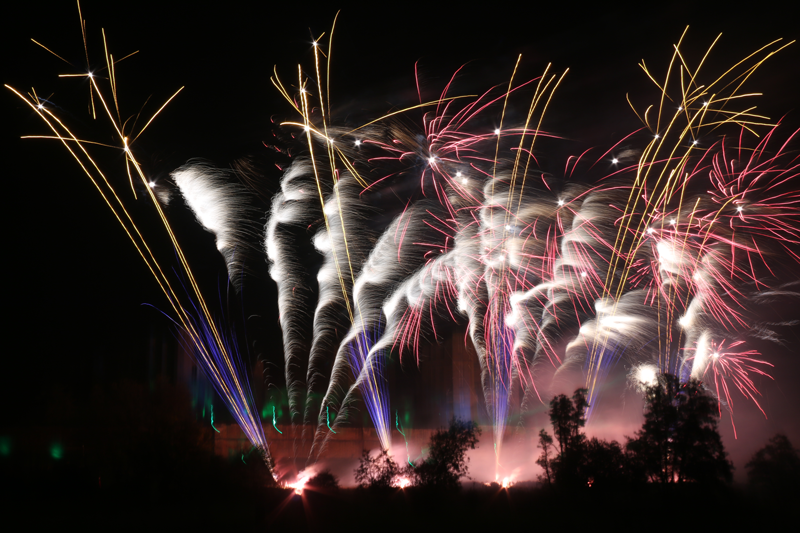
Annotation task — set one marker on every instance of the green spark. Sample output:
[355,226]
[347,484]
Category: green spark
[397,425]
[212,418]
[328,415]
[56,451]
[274,422]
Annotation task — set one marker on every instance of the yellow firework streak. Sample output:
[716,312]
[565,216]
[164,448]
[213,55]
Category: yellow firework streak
[78,149]
[701,109]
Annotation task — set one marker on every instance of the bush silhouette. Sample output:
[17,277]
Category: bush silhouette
[447,460]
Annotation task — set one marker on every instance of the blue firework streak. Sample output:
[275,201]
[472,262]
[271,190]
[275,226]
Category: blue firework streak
[368,367]
[216,351]
[613,351]
[500,339]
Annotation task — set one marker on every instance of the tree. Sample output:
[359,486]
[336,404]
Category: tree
[323,480]
[579,462]
[679,440]
[774,470]
[603,464]
[546,458]
[447,456]
[376,472]
[568,418]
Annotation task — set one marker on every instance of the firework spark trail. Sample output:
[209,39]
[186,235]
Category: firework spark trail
[458,167]
[221,207]
[659,266]
[725,365]
[660,188]
[574,252]
[214,349]
[517,249]
[331,320]
[294,209]
[223,361]
[392,260]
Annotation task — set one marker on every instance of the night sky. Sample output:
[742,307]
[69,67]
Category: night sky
[76,285]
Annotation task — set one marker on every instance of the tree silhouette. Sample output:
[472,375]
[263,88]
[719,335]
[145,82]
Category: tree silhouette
[376,472]
[323,480]
[568,418]
[447,456]
[774,470]
[547,456]
[679,440]
[604,463]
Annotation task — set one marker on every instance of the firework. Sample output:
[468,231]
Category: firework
[658,264]
[214,343]
[553,276]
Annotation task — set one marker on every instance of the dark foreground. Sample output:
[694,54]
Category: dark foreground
[225,503]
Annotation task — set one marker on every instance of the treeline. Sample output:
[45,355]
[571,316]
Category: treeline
[678,443]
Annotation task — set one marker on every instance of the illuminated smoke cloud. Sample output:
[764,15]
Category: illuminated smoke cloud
[222,207]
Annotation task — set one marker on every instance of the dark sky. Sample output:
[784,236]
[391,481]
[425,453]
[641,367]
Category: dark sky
[76,285]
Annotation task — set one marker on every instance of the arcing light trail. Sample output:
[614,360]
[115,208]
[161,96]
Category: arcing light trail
[638,266]
[661,263]
[215,347]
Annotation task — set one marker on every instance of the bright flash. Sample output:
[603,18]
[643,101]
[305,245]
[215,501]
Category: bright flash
[647,375]
[615,161]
